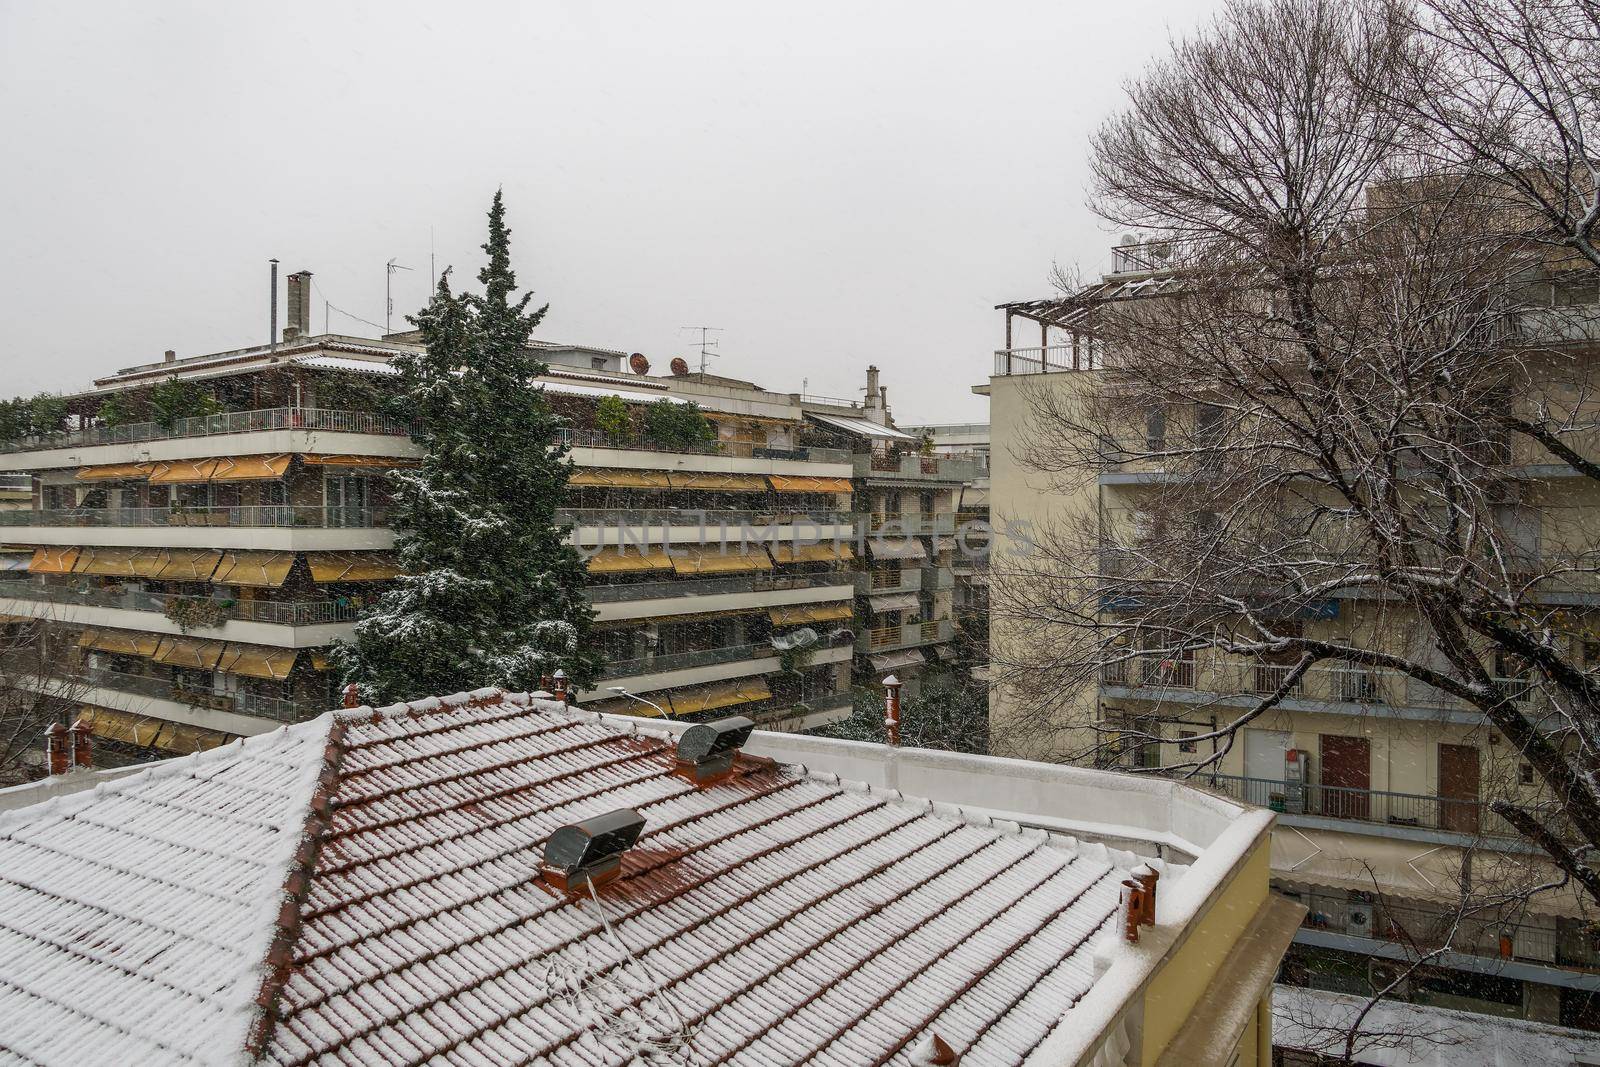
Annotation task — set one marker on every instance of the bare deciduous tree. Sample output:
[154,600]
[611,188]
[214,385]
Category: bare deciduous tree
[35,691]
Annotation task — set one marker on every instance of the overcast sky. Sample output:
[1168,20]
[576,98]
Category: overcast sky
[833,185]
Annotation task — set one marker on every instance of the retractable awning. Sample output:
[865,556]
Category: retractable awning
[893,602]
[256,661]
[116,562]
[713,561]
[891,548]
[250,468]
[823,552]
[111,472]
[622,559]
[190,653]
[720,483]
[945,652]
[893,661]
[802,614]
[15,561]
[353,566]
[372,462]
[862,427]
[121,642]
[267,570]
[139,730]
[608,478]
[790,483]
[54,560]
[183,471]
[190,564]
[183,739]
[719,695]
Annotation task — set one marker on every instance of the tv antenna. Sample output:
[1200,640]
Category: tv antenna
[706,344]
[388,290]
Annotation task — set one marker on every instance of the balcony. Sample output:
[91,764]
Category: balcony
[314,516]
[238,702]
[918,467]
[1009,362]
[677,661]
[271,612]
[1372,806]
[887,580]
[622,593]
[735,449]
[288,418]
[909,635]
[911,523]
[694,518]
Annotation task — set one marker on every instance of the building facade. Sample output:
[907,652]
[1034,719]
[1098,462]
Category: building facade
[1382,784]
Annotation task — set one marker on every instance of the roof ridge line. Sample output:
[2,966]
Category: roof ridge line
[429,705]
[286,925]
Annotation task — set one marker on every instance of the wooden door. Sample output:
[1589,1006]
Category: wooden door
[1346,776]
[1458,788]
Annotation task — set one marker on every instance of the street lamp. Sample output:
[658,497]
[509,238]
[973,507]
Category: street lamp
[631,696]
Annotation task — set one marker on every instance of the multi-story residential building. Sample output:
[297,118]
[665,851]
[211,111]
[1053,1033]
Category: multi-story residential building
[968,441]
[192,573]
[906,498]
[1381,784]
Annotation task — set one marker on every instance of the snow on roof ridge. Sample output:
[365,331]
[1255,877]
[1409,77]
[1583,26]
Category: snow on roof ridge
[429,705]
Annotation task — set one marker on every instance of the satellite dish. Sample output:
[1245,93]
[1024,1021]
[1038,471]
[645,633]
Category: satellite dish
[638,363]
[679,365]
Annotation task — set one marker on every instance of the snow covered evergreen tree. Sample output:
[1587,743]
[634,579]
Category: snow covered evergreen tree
[492,594]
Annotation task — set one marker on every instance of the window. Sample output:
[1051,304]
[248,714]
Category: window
[1155,431]
[597,363]
[1525,774]
[1185,742]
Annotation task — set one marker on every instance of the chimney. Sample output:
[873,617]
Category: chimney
[55,748]
[590,852]
[872,387]
[82,745]
[169,356]
[352,695]
[272,327]
[560,680]
[891,709]
[706,750]
[299,324]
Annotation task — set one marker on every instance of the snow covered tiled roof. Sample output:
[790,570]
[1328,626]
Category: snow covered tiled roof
[777,916]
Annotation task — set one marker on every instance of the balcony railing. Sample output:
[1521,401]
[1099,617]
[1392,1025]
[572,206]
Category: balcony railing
[306,515]
[737,449]
[1051,360]
[244,703]
[1466,815]
[937,468]
[277,613]
[697,518]
[674,661]
[287,418]
[612,594]
[909,635]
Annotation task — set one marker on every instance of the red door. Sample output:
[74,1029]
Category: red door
[1346,776]
[1458,788]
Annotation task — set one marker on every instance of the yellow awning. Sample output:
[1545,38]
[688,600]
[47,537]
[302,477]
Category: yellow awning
[107,472]
[54,560]
[110,561]
[183,471]
[713,561]
[791,483]
[189,564]
[719,695]
[185,740]
[258,661]
[352,566]
[823,552]
[122,642]
[380,462]
[800,614]
[725,483]
[250,468]
[121,726]
[265,569]
[614,559]
[609,478]
[319,661]
[188,652]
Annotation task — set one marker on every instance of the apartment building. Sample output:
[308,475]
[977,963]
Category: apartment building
[968,441]
[1381,784]
[188,575]
[908,500]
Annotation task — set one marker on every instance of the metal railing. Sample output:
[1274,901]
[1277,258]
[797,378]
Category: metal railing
[1466,815]
[254,515]
[696,518]
[915,465]
[673,661]
[737,449]
[1055,358]
[909,635]
[240,701]
[626,591]
[275,612]
[285,418]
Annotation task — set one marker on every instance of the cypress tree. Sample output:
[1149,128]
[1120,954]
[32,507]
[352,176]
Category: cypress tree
[492,594]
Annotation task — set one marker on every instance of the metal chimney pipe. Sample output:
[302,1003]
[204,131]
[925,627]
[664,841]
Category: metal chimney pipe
[55,748]
[891,709]
[272,324]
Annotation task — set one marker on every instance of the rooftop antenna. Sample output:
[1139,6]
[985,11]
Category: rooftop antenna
[706,344]
[388,291]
